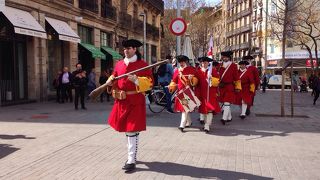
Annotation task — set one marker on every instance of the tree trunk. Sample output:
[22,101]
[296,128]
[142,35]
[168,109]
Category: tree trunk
[310,57]
[284,38]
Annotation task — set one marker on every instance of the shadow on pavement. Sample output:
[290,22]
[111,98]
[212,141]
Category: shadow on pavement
[6,149]
[5,136]
[236,132]
[174,169]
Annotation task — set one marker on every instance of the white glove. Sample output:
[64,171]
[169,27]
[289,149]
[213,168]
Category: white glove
[190,76]
[133,78]
[109,81]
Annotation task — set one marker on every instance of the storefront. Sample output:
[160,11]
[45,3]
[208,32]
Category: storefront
[60,35]
[17,31]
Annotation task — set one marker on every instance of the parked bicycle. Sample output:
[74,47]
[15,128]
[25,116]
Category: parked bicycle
[156,99]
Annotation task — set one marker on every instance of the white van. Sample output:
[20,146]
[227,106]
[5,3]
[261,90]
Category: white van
[275,82]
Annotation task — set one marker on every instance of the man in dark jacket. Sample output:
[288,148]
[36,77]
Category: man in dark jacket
[80,81]
[316,87]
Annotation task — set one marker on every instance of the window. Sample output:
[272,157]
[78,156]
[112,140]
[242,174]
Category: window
[106,39]
[271,48]
[153,53]
[85,34]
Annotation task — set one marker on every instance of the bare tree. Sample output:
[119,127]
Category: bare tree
[281,21]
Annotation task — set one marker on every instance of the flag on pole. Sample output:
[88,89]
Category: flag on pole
[210,50]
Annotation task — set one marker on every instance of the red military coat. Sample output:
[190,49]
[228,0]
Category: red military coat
[129,115]
[227,90]
[210,104]
[255,73]
[246,78]
[181,84]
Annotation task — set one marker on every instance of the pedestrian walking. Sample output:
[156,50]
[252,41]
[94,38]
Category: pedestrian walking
[80,84]
[103,79]
[209,81]
[164,74]
[91,85]
[264,82]
[183,77]
[229,85]
[245,96]
[128,114]
[316,86]
[66,88]
[310,82]
[57,85]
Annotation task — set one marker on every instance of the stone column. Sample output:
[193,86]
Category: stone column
[97,62]
[73,57]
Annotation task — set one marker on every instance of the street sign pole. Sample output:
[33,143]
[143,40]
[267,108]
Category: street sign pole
[178,37]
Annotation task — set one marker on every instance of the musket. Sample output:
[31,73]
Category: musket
[99,90]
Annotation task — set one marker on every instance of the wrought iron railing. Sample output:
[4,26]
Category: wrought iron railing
[109,12]
[125,20]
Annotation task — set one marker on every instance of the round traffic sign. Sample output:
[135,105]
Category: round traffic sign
[178,26]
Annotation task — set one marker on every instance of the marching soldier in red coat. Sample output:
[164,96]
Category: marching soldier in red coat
[244,97]
[183,77]
[229,85]
[209,81]
[255,72]
[129,111]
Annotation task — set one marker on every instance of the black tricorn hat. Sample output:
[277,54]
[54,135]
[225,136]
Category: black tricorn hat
[247,58]
[131,43]
[205,59]
[215,63]
[182,58]
[243,62]
[227,53]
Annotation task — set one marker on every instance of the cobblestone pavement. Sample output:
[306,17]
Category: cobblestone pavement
[53,141]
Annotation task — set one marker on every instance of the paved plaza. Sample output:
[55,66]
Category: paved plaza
[53,141]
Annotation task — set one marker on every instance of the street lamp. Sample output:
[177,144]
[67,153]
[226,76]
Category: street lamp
[144,36]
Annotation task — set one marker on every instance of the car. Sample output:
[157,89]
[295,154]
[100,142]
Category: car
[276,80]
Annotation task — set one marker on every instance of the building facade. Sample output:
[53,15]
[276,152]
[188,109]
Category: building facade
[38,38]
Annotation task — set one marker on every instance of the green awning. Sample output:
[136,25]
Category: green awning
[96,53]
[115,55]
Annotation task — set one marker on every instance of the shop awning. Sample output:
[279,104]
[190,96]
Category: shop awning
[24,22]
[64,30]
[115,55]
[96,53]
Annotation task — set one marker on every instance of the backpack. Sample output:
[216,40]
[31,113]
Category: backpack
[162,70]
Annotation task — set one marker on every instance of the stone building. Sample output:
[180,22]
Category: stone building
[39,37]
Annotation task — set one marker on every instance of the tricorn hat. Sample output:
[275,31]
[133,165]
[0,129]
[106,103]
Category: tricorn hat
[247,58]
[202,59]
[182,58]
[227,53]
[131,43]
[243,62]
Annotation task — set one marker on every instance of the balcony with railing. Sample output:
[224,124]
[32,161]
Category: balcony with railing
[125,20]
[109,12]
[137,25]
[157,4]
[69,1]
[90,5]
[153,31]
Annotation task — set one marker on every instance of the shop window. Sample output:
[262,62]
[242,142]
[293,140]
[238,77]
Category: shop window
[106,39]
[85,34]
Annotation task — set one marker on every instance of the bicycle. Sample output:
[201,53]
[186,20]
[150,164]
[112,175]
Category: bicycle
[156,99]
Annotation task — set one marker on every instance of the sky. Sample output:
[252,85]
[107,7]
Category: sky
[211,2]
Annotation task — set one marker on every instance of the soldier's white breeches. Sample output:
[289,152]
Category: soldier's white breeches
[202,117]
[132,144]
[226,111]
[189,121]
[184,117]
[208,121]
[244,108]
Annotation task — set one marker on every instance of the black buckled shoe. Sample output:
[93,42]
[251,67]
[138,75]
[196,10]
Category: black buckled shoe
[201,122]
[223,122]
[242,116]
[181,129]
[248,112]
[206,131]
[129,167]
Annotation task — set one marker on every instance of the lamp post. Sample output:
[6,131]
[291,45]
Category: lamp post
[144,36]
